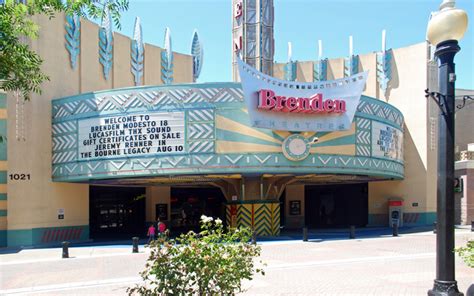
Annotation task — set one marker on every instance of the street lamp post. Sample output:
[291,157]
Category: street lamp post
[445,28]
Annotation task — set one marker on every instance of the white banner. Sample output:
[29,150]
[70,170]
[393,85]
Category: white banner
[300,106]
[131,135]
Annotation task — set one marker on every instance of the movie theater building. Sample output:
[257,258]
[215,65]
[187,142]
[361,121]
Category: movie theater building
[122,134]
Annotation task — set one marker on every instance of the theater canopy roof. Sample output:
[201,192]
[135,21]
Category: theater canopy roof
[204,129]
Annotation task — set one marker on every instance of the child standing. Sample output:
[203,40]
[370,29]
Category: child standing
[151,233]
[161,228]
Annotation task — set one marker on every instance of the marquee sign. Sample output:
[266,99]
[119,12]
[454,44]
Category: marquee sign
[387,141]
[300,106]
[131,135]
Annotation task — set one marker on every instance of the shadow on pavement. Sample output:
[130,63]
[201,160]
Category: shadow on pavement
[314,235]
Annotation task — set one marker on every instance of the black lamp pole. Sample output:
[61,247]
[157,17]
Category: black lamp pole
[445,283]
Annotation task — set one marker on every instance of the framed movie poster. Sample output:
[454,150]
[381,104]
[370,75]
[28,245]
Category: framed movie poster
[295,207]
[161,211]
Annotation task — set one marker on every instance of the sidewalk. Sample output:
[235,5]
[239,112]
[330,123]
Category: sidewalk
[329,264]
[123,247]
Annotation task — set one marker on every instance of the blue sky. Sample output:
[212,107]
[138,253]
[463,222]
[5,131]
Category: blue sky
[301,22]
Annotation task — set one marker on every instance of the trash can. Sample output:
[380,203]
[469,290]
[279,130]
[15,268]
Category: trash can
[395,212]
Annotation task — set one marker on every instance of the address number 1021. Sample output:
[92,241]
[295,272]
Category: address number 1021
[20,177]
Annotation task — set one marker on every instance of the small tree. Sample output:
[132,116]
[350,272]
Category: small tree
[211,262]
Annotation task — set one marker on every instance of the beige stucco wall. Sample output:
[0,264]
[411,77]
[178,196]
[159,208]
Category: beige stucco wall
[368,62]
[157,195]
[304,71]
[407,94]
[464,121]
[34,203]
[294,192]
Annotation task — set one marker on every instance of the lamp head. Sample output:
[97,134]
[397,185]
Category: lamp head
[449,23]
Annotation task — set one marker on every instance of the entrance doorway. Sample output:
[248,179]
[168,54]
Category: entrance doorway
[189,204]
[332,206]
[116,212]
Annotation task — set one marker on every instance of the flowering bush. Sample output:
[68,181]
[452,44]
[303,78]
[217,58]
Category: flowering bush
[211,262]
[467,253]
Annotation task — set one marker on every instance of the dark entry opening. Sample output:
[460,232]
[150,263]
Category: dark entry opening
[331,206]
[189,204]
[116,212]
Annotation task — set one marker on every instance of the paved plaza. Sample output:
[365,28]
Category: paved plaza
[328,265]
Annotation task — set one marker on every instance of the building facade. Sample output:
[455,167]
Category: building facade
[121,136]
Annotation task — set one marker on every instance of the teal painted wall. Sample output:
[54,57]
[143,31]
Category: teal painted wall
[3,238]
[46,236]
[20,237]
[409,219]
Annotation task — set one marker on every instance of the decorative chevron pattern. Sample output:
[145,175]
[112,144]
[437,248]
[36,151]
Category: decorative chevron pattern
[244,215]
[137,53]
[201,131]
[106,38]
[380,110]
[218,163]
[384,69]
[64,127]
[201,115]
[275,222]
[66,156]
[201,147]
[73,38]
[351,66]
[151,99]
[262,217]
[363,136]
[64,142]
[320,70]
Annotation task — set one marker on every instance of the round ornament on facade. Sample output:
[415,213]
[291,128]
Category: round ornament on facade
[296,147]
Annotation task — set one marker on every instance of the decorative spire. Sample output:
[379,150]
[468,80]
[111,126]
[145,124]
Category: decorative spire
[167,59]
[320,49]
[320,67]
[73,40]
[197,53]
[137,52]
[384,66]
[351,64]
[289,52]
[290,67]
[106,41]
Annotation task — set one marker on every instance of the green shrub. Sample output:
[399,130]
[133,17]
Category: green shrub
[467,253]
[211,262]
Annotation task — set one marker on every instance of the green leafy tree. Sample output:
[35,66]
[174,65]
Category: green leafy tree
[20,67]
[211,262]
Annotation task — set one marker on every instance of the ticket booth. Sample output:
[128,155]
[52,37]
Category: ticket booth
[395,212]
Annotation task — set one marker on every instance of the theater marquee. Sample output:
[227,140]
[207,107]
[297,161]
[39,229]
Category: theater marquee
[300,106]
[131,135]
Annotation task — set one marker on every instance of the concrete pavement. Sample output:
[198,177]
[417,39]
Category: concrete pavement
[375,265]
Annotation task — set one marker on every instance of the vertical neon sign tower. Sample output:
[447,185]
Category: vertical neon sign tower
[252,35]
